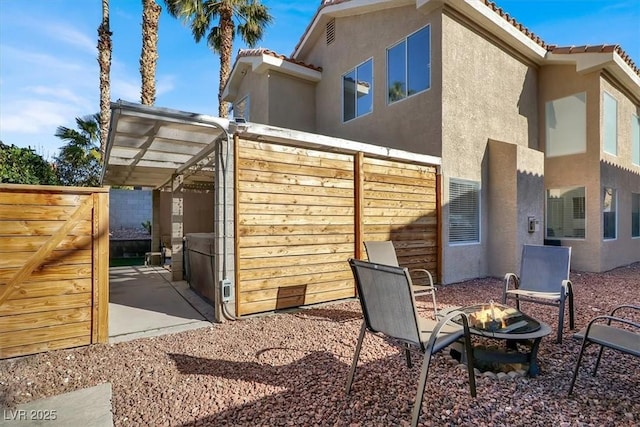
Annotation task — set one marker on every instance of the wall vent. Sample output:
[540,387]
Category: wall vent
[331,31]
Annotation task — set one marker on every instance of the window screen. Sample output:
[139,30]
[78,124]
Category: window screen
[566,125]
[566,213]
[609,213]
[464,211]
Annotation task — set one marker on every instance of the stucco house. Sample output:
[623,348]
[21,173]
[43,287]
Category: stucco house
[538,143]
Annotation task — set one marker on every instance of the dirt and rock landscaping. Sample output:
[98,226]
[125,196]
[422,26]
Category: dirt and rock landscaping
[290,368]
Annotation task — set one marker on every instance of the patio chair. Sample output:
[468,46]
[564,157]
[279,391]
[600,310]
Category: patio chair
[618,333]
[388,308]
[383,252]
[544,279]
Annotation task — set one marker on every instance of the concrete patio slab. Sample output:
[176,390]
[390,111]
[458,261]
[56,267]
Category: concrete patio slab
[143,302]
[89,407]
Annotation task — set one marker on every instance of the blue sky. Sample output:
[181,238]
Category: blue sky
[49,70]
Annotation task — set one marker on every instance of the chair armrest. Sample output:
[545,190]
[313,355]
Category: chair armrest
[566,287]
[422,270]
[609,319]
[443,319]
[508,278]
[511,277]
[623,306]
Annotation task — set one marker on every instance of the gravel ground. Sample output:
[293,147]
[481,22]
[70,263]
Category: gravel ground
[289,369]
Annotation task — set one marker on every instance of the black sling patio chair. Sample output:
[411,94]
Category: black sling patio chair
[383,252]
[615,331]
[543,279]
[388,308]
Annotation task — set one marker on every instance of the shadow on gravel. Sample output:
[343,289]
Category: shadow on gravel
[312,389]
[334,315]
[280,375]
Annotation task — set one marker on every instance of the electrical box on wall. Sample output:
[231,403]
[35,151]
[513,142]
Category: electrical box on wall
[226,290]
[534,224]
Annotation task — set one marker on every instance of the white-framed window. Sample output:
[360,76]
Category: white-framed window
[566,213]
[609,213]
[610,124]
[409,66]
[240,109]
[357,91]
[566,125]
[635,139]
[464,211]
[635,215]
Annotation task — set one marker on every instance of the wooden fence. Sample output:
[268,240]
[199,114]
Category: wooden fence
[54,268]
[301,213]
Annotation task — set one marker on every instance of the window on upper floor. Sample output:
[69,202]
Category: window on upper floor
[609,213]
[566,125]
[566,216]
[464,211]
[635,215]
[409,66]
[635,140]
[240,109]
[357,91]
[610,124]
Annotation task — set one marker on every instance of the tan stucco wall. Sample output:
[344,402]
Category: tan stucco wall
[487,94]
[292,102]
[620,173]
[559,81]
[412,124]
[595,169]
[256,85]
[515,186]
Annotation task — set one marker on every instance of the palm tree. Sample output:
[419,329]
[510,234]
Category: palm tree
[149,55]
[104,59]
[78,162]
[251,16]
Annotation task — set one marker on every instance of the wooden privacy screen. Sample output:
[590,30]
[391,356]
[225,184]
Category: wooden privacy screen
[54,268]
[301,213]
[399,204]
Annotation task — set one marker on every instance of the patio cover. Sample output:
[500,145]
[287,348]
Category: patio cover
[148,145]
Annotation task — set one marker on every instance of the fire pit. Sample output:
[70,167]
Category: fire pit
[494,317]
[522,335]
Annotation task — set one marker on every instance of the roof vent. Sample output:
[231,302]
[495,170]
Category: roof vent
[331,31]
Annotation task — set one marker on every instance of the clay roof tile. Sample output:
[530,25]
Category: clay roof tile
[262,51]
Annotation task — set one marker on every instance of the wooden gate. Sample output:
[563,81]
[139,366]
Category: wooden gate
[54,268]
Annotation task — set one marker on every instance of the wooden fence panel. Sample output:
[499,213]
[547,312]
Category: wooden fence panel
[400,204]
[54,280]
[301,213]
[295,219]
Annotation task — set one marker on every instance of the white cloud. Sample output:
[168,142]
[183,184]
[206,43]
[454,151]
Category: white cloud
[62,94]
[72,37]
[43,62]
[32,116]
[125,89]
[165,84]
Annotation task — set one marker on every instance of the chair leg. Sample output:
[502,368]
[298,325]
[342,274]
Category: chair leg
[470,365]
[407,355]
[571,316]
[595,368]
[560,321]
[575,371]
[356,355]
[417,406]
[435,305]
